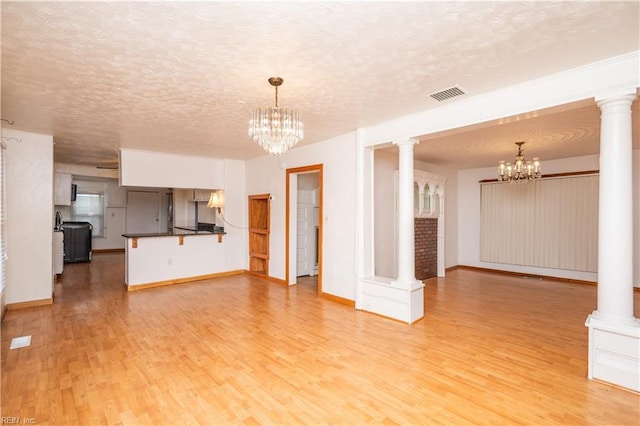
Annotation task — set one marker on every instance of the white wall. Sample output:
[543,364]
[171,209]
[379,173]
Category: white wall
[114,222]
[338,156]
[29,174]
[235,213]
[385,166]
[469,217]
[159,169]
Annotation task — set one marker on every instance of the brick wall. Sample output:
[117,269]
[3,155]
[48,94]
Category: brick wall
[426,244]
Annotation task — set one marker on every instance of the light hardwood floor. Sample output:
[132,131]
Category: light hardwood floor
[491,349]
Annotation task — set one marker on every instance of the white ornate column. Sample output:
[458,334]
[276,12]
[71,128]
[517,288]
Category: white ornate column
[406,279]
[401,298]
[406,236]
[614,333]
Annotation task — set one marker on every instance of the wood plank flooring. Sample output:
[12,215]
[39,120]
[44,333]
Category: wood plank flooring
[491,349]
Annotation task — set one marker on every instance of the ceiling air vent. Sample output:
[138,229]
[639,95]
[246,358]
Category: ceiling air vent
[449,93]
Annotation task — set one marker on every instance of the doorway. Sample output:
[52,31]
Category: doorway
[304,205]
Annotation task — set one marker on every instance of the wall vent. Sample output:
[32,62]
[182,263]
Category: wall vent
[449,93]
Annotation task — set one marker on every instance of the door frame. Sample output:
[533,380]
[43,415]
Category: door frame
[294,171]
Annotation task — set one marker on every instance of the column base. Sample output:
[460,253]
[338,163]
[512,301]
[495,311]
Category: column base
[400,301]
[614,354]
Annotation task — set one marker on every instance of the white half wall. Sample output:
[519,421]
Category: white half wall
[158,259]
[268,175]
[29,175]
[235,215]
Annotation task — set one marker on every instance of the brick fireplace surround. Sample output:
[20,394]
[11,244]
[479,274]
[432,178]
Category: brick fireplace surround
[426,246]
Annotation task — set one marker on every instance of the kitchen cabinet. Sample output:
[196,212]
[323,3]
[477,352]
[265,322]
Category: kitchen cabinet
[62,189]
[201,195]
[116,195]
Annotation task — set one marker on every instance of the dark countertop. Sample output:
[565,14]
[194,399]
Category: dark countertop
[178,231]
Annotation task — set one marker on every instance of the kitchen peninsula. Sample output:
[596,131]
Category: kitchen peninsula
[186,254]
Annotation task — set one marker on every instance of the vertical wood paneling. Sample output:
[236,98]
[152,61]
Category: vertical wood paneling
[550,223]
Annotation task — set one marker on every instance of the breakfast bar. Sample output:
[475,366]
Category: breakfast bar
[183,255]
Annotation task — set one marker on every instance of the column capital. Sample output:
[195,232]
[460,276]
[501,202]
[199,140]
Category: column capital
[618,98]
[406,141]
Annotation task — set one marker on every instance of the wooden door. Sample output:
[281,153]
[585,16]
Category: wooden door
[259,225]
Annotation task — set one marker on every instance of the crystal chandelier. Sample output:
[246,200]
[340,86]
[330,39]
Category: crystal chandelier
[521,169]
[275,129]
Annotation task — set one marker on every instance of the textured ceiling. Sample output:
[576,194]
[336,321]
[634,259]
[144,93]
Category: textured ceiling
[184,76]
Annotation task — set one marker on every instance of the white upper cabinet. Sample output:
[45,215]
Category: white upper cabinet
[201,194]
[62,189]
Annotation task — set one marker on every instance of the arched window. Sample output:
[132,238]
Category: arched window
[436,200]
[426,199]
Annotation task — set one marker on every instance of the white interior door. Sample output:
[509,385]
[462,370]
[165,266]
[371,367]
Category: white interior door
[143,212]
